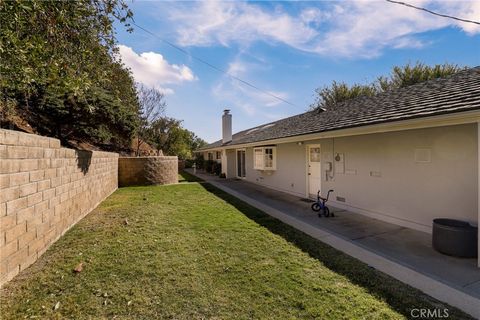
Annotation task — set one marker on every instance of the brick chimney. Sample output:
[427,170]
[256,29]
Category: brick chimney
[226,126]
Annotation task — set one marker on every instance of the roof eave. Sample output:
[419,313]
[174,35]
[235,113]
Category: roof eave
[458,118]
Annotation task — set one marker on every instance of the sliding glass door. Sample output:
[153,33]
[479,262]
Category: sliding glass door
[240,163]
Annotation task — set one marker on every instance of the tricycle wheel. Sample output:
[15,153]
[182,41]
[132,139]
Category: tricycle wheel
[315,207]
[326,212]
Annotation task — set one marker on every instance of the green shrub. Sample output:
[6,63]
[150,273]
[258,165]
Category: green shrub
[209,166]
[189,163]
[217,168]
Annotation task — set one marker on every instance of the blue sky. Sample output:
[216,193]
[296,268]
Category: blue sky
[286,48]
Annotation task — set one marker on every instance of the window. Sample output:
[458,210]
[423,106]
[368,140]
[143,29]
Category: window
[218,155]
[264,158]
[268,157]
[314,154]
[210,156]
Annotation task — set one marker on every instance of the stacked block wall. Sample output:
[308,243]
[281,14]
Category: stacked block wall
[147,170]
[44,190]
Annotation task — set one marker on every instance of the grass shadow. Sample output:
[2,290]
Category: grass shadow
[184,176]
[398,295]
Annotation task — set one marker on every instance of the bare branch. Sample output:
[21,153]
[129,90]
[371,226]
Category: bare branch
[153,106]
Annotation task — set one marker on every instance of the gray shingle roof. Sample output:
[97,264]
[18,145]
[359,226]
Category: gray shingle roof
[457,93]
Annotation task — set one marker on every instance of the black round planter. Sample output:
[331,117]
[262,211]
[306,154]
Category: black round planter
[455,238]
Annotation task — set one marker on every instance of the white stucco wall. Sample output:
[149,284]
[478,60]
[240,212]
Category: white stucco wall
[290,174]
[382,178]
[478,189]
[402,190]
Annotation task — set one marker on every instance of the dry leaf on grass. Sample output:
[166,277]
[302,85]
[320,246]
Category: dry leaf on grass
[78,268]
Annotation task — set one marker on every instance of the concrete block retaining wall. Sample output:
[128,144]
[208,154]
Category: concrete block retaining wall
[147,170]
[44,190]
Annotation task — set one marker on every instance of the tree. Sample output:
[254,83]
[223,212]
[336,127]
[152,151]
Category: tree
[183,143]
[408,75]
[153,105]
[169,136]
[60,71]
[179,143]
[63,42]
[196,142]
[162,133]
[329,96]
[106,115]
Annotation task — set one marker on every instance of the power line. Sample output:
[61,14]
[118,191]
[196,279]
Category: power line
[432,12]
[214,67]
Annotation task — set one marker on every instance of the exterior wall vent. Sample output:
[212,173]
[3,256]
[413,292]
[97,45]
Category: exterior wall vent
[423,155]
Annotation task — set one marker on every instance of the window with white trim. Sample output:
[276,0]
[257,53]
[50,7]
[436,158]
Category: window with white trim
[265,158]
[218,155]
[210,156]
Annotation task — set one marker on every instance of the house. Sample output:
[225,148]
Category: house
[406,156]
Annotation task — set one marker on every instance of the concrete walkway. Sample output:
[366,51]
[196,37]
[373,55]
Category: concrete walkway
[401,252]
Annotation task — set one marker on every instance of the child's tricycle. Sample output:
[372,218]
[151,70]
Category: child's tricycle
[320,207]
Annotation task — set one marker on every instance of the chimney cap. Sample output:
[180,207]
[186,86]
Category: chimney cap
[226,111]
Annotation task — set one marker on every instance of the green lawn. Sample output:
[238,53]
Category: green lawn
[190,251]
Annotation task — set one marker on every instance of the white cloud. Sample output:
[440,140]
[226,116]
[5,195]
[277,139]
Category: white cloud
[365,28]
[225,93]
[469,10]
[212,22]
[263,99]
[251,101]
[237,68]
[314,16]
[357,28]
[151,69]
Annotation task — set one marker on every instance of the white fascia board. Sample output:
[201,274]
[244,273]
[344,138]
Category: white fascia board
[210,150]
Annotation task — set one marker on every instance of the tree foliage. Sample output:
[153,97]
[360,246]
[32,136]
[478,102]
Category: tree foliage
[329,96]
[169,136]
[408,75]
[161,132]
[61,42]
[61,72]
[337,92]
